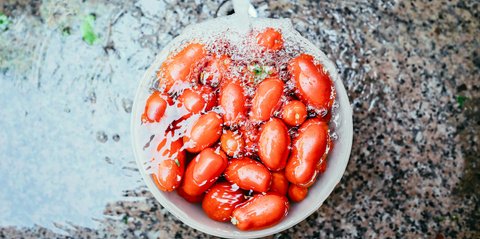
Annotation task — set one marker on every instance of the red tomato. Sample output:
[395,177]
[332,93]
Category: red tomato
[322,164]
[270,39]
[297,193]
[232,143]
[273,144]
[195,101]
[215,70]
[171,165]
[155,107]
[313,84]
[266,99]
[232,101]
[203,171]
[279,183]
[204,132]
[189,198]
[260,211]
[248,174]
[250,136]
[308,148]
[220,201]
[294,113]
[179,67]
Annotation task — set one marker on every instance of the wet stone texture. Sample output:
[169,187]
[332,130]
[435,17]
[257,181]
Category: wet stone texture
[411,69]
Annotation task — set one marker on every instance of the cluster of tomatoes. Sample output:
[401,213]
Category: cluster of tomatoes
[243,156]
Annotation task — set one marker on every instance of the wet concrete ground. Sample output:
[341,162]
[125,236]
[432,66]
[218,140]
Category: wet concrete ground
[412,71]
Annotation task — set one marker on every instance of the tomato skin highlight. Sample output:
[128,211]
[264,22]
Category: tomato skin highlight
[220,201]
[155,107]
[297,193]
[279,183]
[294,113]
[179,67]
[308,148]
[266,99]
[203,171]
[270,39]
[313,84]
[248,174]
[273,144]
[171,165]
[204,132]
[232,144]
[198,100]
[260,211]
[232,102]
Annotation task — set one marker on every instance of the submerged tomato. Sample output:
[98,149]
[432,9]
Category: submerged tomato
[266,99]
[215,70]
[270,39]
[189,198]
[248,174]
[260,211]
[171,165]
[197,100]
[273,144]
[279,183]
[313,84]
[203,171]
[297,193]
[232,101]
[232,143]
[155,107]
[294,113]
[204,132]
[308,148]
[179,67]
[220,201]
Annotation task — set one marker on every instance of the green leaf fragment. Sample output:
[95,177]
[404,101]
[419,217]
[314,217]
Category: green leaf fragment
[260,72]
[88,34]
[4,22]
[177,162]
[461,100]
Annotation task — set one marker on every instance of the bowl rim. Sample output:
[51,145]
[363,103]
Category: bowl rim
[345,113]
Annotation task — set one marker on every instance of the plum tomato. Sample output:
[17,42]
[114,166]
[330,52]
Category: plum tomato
[279,183]
[266,99]
[204,132]
[248,174]
[171,165]
[180,66]
[203,171]
[270,39]
[215,70]
[232,144]
[297,193]
[294,113]
[313,84]
[189,198]
[198,100]
[220,201]
[232,102]
[260,211]
[250,136]
[308,148]
[273,144]
[155,107]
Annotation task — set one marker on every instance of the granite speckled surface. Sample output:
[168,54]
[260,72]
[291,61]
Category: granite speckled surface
[411,68]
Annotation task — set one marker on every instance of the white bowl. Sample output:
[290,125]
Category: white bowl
[192,214]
